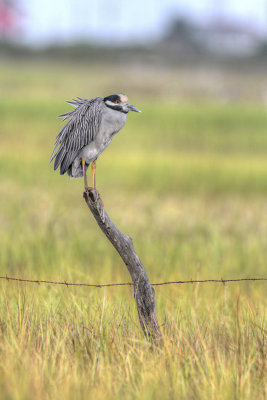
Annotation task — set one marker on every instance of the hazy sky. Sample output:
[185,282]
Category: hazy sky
[124,20]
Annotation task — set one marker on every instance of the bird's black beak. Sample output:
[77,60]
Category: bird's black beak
[132,108]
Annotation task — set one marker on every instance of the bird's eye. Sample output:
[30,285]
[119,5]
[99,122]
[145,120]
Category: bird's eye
[117,102]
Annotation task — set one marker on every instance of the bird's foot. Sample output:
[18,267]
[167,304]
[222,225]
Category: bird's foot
[94,195]
[91,191]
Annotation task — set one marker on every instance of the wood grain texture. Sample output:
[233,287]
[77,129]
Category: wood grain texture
[144,293]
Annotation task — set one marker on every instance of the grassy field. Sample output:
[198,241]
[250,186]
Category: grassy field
[187,180]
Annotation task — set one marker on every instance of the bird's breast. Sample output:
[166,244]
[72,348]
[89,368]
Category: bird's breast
[112,122]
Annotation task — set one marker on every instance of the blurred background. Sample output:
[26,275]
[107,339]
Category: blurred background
[218,48]
[186,179]
[193,165]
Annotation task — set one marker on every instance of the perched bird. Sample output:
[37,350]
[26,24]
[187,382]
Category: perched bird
[90,129]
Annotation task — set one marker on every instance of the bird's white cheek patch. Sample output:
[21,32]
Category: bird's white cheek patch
[109,103]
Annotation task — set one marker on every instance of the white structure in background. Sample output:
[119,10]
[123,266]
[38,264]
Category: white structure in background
[139,21]
[224,36]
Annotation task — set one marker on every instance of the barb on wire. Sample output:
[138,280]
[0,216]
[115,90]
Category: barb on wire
[67,284]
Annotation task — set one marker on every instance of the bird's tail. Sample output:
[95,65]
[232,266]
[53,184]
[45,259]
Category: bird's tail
[76,171]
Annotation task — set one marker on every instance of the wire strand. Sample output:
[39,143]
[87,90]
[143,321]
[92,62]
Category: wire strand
[64,283]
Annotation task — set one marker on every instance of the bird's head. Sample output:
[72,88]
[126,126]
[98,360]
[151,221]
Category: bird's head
[119,102]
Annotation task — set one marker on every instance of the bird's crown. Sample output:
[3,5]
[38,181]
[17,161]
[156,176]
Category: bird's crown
[116,99]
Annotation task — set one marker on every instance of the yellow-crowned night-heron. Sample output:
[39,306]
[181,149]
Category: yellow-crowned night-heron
[90,129]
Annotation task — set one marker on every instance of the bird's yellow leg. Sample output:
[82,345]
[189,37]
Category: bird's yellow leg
[93,172]
[97,192]
[84,174]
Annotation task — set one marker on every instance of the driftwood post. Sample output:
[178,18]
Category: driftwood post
[144,293]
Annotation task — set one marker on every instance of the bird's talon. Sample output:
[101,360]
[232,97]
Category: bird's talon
[93,194]
[97,194]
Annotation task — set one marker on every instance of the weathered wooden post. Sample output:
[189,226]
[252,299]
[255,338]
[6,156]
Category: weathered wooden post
[144,293]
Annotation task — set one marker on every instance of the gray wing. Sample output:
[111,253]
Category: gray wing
[81,129]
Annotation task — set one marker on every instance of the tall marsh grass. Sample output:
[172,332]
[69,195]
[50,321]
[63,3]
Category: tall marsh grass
[188,182]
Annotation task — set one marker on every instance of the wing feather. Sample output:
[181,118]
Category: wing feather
[81,129]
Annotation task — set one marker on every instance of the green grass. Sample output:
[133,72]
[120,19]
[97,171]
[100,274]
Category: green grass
[188,182]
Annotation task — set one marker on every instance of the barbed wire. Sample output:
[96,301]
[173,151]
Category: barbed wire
[64,283]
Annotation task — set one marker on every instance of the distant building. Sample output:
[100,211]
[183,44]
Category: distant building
[223,36]
[218,36]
